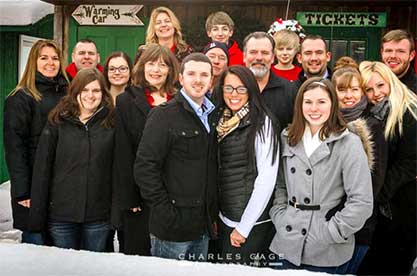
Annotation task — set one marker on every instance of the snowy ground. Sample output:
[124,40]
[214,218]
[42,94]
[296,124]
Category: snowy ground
[18,259]
[7,233]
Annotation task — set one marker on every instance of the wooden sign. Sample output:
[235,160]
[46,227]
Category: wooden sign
[342,19]
[107,15]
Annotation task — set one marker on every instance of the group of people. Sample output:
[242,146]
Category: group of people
[228,156]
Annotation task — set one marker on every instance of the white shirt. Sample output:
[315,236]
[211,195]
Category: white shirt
[311,143]
[262,188]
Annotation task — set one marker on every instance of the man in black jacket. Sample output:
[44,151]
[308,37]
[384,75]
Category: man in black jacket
[397,52]
[278,93]
[314,59]
[176,167]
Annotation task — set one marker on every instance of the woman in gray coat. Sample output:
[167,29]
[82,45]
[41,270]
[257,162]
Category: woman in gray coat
[322,161]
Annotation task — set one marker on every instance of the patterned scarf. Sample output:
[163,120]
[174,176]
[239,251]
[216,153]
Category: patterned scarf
[228,123]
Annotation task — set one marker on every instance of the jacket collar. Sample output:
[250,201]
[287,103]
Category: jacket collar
[72,69]
[274,81]
[139,98]
[319,154]
[302,77]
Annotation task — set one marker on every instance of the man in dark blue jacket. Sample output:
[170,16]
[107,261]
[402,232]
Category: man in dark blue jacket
[176,167]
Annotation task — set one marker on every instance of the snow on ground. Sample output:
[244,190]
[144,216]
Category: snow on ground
[7,233]
[25,259]
[18,259]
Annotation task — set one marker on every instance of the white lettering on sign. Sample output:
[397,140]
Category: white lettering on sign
[107,15]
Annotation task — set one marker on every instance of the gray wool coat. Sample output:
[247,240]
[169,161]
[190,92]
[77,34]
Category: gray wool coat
[337,167]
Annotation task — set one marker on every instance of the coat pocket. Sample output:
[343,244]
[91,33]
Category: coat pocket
[189,213]
[188,143]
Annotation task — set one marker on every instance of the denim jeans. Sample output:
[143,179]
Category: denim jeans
[32,238]
[341,269]
[190,250]
[90,236]
[357,258]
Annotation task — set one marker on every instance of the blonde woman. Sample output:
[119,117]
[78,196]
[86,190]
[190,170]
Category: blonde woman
[43,83]
[395,237]
[164,29]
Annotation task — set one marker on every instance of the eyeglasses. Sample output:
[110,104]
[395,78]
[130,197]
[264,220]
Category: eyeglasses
[228,89]
[122,69]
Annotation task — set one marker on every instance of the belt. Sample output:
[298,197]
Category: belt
[303,207]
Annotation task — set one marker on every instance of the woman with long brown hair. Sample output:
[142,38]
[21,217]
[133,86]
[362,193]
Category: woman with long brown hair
[71,190]
[322,161]
[153,83]
[43,83]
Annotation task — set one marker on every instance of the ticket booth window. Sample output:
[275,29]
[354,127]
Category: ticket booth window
[355,49]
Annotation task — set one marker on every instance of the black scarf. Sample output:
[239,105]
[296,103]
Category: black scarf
[353,113]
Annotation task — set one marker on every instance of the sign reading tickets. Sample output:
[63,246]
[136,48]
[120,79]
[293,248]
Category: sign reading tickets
[107,15]
[342,19]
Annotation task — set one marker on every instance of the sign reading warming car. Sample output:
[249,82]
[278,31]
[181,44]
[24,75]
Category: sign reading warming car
[342,19]
[107,15]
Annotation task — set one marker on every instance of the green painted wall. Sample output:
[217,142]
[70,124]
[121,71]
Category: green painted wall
[9,46]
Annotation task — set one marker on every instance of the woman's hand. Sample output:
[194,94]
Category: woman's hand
[136,209]
[25,203]
[236,239]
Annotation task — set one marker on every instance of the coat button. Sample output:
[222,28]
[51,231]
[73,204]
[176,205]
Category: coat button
[308,172]
[294,199]
[303,231]
[196,132]
[306,200]
[183,133]
[173,201]
[288,228]
[292,170]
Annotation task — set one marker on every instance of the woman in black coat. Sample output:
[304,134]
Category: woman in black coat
[43,83]
[394,242]
[153,78]
[72,176]
[355,110]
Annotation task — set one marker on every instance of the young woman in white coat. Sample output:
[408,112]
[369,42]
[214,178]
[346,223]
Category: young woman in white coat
[322,161]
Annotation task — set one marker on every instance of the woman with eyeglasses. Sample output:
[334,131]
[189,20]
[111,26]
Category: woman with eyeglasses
[248,165]
[322,162]
[153,83]
[117,72]
[43,83]
[395,234]
[72,175]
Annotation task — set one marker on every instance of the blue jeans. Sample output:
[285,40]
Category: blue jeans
[32,238]
[190,250]
[357,258]
[90,236]
[341,269]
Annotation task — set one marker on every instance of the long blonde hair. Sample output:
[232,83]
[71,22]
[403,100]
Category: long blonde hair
[400,98]
[150,32]
[28,80]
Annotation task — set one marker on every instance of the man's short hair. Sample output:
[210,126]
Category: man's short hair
[258,35]
[219,18]
[313,37]
[84,40]
[397,36]
[198,57]
[287,38]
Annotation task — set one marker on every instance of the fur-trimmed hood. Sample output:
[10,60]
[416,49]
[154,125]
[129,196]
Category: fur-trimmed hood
[360,128]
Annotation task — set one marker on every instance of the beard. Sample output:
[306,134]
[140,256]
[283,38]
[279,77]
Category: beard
[259,72]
